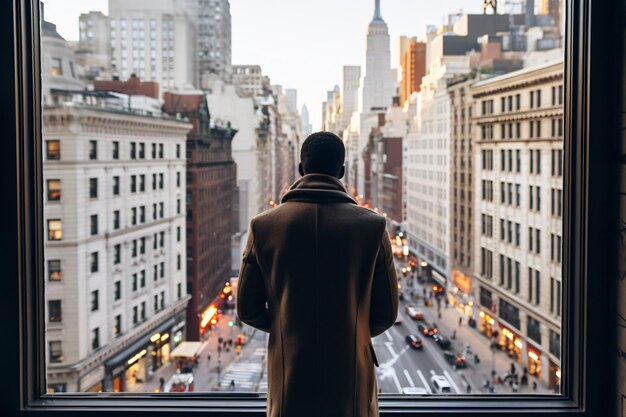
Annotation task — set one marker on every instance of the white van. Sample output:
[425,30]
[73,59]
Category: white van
[441,384]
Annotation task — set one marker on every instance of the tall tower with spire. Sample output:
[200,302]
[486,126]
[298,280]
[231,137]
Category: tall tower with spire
[376,89]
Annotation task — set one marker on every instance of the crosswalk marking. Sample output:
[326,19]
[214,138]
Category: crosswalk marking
[395,379]
[421,375]
[388,335]
[243,373]
[408,377]
[451,381]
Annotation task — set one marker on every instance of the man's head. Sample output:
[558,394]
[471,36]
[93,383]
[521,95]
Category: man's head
[322,153]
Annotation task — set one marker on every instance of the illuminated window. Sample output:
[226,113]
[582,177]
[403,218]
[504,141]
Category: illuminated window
[55,230]
[54,190]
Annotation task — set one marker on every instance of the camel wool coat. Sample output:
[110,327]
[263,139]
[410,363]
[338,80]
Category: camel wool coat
[318,275]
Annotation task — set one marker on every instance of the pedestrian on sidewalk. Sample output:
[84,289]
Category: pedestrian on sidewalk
[232,384]
[319,234]
[208,358]
[161,384]
[460,321]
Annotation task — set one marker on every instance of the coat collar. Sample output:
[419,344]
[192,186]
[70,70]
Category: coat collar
[317,188]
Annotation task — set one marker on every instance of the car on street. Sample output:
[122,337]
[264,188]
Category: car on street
[455,360]
[427,329]
[179,383]
[399,320]
[441,384]
[442,341]
[415,391]
[415,313]
[414,341]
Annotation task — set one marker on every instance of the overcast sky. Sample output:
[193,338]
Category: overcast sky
[300,44]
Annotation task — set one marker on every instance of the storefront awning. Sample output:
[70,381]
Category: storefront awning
[121,357]
[186,350]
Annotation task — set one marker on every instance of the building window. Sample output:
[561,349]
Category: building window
[160,151]
[135,317]
[54,270]
[161,210]
[162,270]
[534,329]
[93,150]
[178,206]
[142,150]
[94,301]
[54,190]
[116,220]
[116,150]
[178,233]
[178,179]
[161,181]
[53,150]
[142,214]
[133,216]
[56,66]
[117,254]
[93,188]
[117,327]
[142,278]
[178,262]
[55,351]
[143,310]
[93,220]
[133,183]
[54,311]
[133,150]
[537,287]
[94,262]
[142,245]
[142,183]
[179,289]
[116,185]
[95,338]
[555,344]
[55,230]
[154,151]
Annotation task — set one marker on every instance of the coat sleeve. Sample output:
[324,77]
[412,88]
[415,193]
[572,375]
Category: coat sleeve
[251,294]
[384,303]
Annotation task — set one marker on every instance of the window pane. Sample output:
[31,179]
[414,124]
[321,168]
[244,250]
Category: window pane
[54,190]
[457,163]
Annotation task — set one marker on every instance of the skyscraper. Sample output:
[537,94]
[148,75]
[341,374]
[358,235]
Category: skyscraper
[155,41]
[376,87]
[213,39]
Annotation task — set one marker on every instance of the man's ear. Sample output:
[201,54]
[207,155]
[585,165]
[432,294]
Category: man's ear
[300,169]
[342,171]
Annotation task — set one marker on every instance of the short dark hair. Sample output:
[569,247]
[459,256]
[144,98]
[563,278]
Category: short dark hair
[323,153]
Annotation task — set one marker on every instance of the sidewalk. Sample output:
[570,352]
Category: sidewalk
[474,374]
[206,373]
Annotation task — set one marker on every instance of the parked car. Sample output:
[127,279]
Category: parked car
[415,313]
[442,341]
[441,384]
[455,360]
[426,329]
[179,383]
[414,341]
[415,391]
[399,320]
